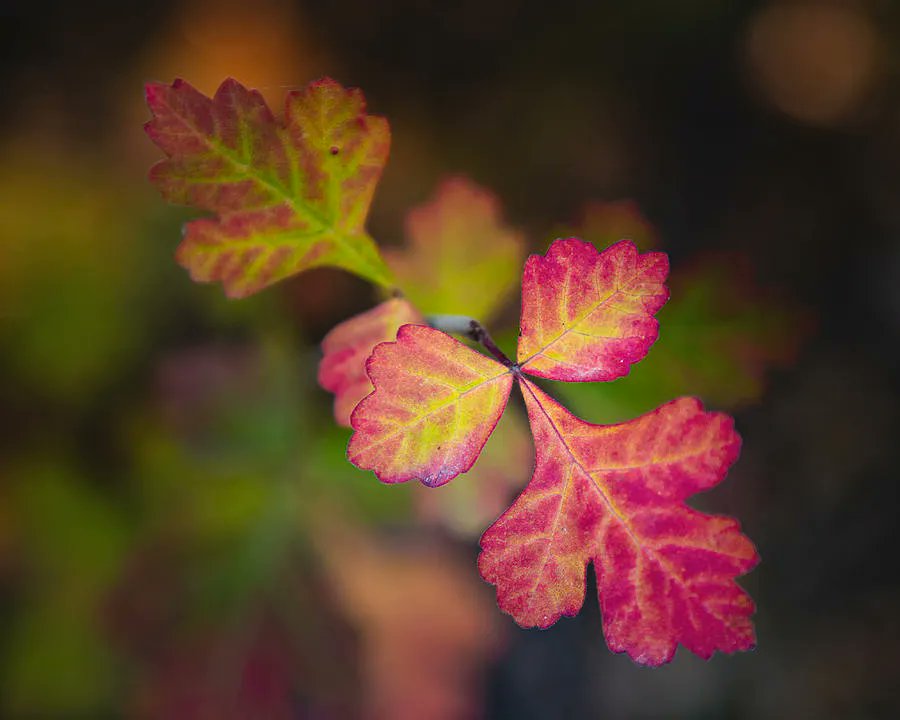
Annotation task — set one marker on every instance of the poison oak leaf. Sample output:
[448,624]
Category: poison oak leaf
[613,495]
[435,403]
[588,316]
[288,194]
[345,348]
[462,257]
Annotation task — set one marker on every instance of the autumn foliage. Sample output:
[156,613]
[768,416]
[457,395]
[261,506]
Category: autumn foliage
[292,192]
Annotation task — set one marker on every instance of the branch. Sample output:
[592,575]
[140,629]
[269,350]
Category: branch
[470,328]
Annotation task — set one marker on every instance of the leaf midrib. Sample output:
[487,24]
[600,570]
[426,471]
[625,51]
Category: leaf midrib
[302,209]
[454,399]
[648,549]
[574,326]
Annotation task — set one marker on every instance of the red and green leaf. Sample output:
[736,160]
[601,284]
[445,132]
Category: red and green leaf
[462,257]
[287,194]
[586,315]
[436,402]
[613,495]
[346,347]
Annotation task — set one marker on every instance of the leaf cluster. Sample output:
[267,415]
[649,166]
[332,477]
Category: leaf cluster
[291,193]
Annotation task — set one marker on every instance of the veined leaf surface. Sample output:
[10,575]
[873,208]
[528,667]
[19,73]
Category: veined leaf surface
[614,495]
[288,194]
[346,347]
[588,315]
[436,402]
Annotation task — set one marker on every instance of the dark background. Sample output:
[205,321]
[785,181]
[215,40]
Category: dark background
[768,129]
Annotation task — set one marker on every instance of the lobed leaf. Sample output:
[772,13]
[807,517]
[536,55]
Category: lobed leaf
[588,315]
[436,402]
[287,194]
[462,257]
[346,347]
[613,495]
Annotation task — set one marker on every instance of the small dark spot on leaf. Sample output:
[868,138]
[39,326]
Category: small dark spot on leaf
[335,150]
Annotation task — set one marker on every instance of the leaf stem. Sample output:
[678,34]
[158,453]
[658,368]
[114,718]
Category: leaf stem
[472,329]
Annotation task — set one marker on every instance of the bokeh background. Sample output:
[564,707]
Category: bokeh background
[180,534]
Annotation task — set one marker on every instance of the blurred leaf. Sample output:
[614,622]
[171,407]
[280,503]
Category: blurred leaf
[58,664]
[348,345]
[604,223]
[462,257]
[426,625]
[245,656]
[719,336]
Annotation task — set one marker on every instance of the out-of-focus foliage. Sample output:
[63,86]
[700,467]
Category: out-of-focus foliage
[69,542]
[69,280]
[347,347]
[720,333]
[412,655]
[462,257]
[716,344]
[605,223]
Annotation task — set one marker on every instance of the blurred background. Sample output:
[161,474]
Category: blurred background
[180,533]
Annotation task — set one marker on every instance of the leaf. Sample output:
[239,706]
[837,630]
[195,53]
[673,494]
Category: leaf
[288,194]
[613,495]
[435,403]
[418,612]
[346,347]
[462,257]
[588,316]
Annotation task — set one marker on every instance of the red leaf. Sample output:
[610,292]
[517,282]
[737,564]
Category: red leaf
[588,315]
[613,495]
[435,404]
